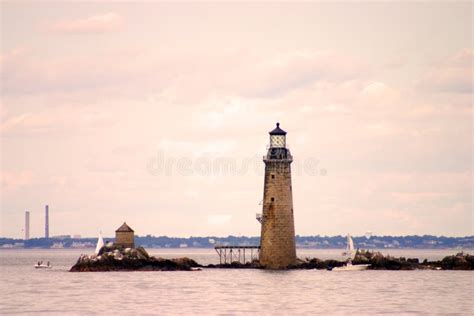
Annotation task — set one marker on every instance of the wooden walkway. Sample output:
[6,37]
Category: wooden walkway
[229,254]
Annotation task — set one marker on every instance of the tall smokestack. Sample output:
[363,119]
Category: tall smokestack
[27,225]
[46,222]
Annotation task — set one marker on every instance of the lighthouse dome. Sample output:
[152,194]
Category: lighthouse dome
[277,130]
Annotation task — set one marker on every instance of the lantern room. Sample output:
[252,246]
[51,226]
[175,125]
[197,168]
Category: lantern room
[277,137]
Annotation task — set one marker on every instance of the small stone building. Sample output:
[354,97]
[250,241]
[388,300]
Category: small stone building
[124,236]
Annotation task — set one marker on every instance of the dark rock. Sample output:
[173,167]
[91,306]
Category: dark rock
[112,258]
[142,254]
[236,265]
[460,261]
[186,262]
[413,261]
[137,259]
[316,263]
[378,261]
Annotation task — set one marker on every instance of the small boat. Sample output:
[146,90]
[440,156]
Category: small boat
[352,267]
[351,252]
[43,266]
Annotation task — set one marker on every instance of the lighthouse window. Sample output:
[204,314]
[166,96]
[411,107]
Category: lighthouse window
[273,199]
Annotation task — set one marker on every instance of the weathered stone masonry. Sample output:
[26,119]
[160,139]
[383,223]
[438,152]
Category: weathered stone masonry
[278,249]
[125,236]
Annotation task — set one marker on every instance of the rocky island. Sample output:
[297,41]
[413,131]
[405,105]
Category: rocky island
[116,258]
[377,261]
[123,256]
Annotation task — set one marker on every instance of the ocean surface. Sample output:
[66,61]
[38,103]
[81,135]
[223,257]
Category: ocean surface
[24,290]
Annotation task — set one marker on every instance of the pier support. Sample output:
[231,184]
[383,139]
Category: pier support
[229,254]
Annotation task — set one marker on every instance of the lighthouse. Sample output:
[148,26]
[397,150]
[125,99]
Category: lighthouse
[277,240]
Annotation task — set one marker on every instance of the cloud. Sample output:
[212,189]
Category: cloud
[15,180]
[453,74]
[55,120]
[198,148]
[278,74]
[396,62]
[102,23]
[27,74]
[219,219]
[181,79]
[12,55]
[12,122]
[374,88]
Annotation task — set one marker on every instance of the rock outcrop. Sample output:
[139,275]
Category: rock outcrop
[113,258]
[315,263]
[236,265]
[460,261]
[378,261]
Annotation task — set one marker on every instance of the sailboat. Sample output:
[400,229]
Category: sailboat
[351,253]
[100,243]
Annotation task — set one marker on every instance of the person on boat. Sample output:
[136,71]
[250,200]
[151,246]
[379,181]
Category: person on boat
[39,263]
[48,263]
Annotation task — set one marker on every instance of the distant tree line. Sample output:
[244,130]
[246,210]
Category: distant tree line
[315,242]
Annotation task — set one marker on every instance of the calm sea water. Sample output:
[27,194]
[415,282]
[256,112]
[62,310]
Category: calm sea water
[24,290]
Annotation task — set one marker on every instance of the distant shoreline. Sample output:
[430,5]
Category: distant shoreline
[212,249]
[302,242]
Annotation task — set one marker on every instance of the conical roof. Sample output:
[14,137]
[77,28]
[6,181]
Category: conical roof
[124,228]
[278,131]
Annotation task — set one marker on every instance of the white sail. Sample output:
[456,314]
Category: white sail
[351,253]
[100,243]
[350,243]
[350,246]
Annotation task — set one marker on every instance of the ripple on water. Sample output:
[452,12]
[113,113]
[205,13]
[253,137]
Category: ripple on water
[224,292]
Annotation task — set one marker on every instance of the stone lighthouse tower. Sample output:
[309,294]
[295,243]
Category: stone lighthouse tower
[277,240]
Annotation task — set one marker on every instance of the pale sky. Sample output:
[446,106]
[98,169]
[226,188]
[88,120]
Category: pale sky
[124,112]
